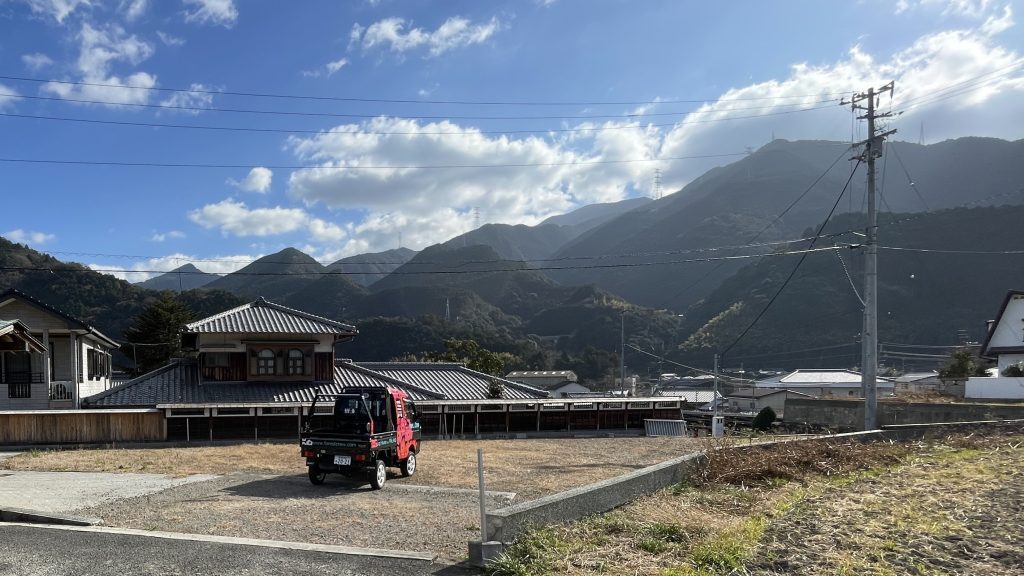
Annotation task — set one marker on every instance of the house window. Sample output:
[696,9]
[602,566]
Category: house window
[296,362]
[265,362]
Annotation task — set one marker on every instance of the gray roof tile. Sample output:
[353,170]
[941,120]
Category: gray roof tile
[263,317]
[451,380]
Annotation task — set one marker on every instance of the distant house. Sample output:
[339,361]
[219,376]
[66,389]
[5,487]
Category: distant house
[825,383]
[559,383]
[917,382]
[1004,343]
[694,399]
[753,400]
[61,359]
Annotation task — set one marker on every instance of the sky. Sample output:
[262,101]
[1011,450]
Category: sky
[138,135]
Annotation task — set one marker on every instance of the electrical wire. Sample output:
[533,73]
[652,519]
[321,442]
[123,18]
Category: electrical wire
[11,95]
[401,101]
[357,167]
[702,371]
[797,267]
[416,272]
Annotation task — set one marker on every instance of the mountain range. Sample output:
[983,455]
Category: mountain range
[558,291]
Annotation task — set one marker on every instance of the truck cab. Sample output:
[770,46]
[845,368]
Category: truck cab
[367,431]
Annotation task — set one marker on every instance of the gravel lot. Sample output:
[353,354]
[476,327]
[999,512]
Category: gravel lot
[436,510]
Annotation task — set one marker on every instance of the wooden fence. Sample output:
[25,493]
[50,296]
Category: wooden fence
[81,426]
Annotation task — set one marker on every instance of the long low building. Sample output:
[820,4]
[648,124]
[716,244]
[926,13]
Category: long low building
[252,372]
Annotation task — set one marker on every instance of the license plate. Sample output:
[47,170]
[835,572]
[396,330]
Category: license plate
[342,460]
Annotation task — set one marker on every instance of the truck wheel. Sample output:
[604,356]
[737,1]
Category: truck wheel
[409,465]
[380,475]
[316,475]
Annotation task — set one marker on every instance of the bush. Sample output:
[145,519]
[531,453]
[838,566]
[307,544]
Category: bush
[764,419]
[1014,371]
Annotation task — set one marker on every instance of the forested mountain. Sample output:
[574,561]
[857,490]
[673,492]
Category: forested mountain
[924,297]
[739,203]
[275,277]
[365,269]
[181,279]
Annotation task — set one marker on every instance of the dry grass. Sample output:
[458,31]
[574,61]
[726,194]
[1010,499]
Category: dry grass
[837,508]
[529,467]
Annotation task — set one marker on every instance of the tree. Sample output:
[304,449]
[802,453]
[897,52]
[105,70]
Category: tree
[155,334]
[764,419]
[495,389]
[474,356]
[962,365]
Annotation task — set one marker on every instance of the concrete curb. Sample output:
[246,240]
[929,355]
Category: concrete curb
[305,546]
[24,516]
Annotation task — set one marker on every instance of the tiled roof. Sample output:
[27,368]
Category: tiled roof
[689,396]
[539,373]
[15,293]
[177,383]
[817,378]
[452,381]
[266,317]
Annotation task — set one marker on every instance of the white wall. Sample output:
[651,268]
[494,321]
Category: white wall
[1007,360]
[995,388]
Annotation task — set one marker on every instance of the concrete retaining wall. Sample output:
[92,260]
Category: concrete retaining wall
[849,414]
[505,524]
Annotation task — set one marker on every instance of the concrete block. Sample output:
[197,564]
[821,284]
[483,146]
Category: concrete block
[482,553]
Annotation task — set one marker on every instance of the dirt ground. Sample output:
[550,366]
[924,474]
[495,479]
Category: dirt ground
[528,467]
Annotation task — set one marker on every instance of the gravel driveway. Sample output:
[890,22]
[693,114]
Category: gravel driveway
[401,517]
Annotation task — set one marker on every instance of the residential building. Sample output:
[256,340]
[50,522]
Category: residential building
[824,383]
[72,363]
[753,400]
[917,382]
[1004,343]
[252,372]
[559,383]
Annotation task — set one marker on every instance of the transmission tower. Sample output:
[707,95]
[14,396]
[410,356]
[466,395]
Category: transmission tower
[476,217]
[657,184]
[872,150]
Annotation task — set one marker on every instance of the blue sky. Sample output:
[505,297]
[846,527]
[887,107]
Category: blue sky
[651,82]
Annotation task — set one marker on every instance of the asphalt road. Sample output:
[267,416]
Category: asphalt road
[33,551]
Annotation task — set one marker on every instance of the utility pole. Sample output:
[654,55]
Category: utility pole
[873,148]
[622,353]
[714,395]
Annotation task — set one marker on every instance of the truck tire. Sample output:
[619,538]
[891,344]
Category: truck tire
[379,475]
[316,475]
[408,465]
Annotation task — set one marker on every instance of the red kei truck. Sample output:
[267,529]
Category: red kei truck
[369,430]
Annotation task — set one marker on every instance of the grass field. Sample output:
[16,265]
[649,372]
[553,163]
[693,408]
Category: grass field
[945,507]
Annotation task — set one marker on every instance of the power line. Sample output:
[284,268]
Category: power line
[403,101]
[348,167]
[364,116]
[663,359]
[797,267]
[416,272]
[388,133]
[944,251]
[778,217]
[460,263]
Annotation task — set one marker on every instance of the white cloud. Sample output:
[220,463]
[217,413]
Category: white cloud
[391,33]
[6,101]
[329,69]
[333,67]
[996,24]
[197,97]
[141,270]
[57,9]
[215,12]
[30,238]
[258,180]
[234,218]
[429,205]
[133,9]
[432,204]
[170,40]
[36,61]
[99,50]
[170,234]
